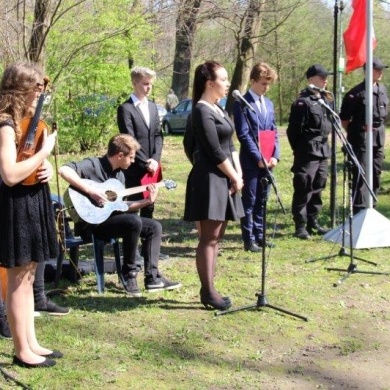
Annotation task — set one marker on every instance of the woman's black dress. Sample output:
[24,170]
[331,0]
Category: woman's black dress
[27,224]
[207,194]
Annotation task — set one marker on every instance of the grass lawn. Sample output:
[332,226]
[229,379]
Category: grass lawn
[169,341]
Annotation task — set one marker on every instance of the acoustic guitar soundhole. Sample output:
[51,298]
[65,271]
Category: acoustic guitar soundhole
[111,196]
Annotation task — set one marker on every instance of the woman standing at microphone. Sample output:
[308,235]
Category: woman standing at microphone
[216,178]
[27,224]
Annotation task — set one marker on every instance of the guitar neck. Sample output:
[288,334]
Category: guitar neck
[137,190]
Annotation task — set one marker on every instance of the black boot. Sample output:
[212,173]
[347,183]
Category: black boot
[4,327]
[314,227]
[302,233]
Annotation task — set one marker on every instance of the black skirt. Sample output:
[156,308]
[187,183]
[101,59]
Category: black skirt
[208,197]
[27,225]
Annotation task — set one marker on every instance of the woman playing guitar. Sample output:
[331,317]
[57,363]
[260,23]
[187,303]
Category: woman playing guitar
[27,224]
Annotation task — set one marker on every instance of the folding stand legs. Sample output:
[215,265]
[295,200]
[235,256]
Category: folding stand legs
[346,180]
[352,268]
[262,297]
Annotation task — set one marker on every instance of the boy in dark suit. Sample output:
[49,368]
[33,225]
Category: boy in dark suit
[253,155]
[139,118]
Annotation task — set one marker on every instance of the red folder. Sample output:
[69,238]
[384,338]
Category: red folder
[267,143]
[151,178]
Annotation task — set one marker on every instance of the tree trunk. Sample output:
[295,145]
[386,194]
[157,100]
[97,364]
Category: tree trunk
[247,43]
[186,23]
[36,48]
[279,71]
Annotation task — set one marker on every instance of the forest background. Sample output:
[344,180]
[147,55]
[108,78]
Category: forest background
[87,47]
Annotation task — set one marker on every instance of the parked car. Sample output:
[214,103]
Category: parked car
[161,112]
[175,121]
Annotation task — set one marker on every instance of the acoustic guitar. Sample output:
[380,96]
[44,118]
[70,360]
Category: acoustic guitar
[83,208]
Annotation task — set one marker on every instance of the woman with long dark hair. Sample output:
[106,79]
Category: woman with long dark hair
[27,225]
[216,178]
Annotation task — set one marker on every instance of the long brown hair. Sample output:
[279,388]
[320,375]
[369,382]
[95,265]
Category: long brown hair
[17,82]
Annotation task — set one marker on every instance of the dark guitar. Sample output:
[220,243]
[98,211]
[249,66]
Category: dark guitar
[82,208]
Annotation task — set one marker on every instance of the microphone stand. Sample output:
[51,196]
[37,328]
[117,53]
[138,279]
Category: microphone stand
[348,164]
[262,296]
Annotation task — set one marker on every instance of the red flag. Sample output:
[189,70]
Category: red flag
[355,37]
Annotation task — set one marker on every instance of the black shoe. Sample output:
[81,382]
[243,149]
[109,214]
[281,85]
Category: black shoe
[54,355]
[45,363]
[210,304]
[160,284]
[131,285]
[252,247]
[4,327]
[50,307]
[162,256]
[302,233]
[315,228]
[268,244]
[201,293]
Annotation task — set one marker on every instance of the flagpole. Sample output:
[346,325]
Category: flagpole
[333,162]
[338,70]
[369,98]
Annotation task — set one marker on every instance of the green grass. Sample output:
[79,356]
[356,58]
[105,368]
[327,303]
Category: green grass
[167,341]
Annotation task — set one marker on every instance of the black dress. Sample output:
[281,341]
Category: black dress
[207,194]
[27,224]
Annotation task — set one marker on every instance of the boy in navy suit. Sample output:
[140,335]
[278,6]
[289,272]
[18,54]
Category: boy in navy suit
[254,155]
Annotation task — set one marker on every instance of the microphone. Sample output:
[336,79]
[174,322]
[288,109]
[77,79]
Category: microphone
[237,95]
[318,89]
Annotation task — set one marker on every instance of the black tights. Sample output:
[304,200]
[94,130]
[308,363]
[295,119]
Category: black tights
[211,232]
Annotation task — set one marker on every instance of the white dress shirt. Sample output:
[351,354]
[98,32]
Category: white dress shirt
[143,106]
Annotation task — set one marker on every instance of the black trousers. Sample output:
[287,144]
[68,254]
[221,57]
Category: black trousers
[309,181]
[39,282]
[253,195]
[130,227]
[360,194]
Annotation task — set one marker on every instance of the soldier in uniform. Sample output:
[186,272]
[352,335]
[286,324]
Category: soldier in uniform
[353,119]
[307,132]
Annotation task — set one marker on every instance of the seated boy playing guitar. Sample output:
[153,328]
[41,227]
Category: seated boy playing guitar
[125,224]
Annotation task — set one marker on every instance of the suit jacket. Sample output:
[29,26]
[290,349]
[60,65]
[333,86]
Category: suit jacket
[247,123]
[131,121]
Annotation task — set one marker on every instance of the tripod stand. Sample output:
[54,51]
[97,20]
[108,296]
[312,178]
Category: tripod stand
[261,296]
[352,162]
[352,268]
[264,181]
[342,252]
